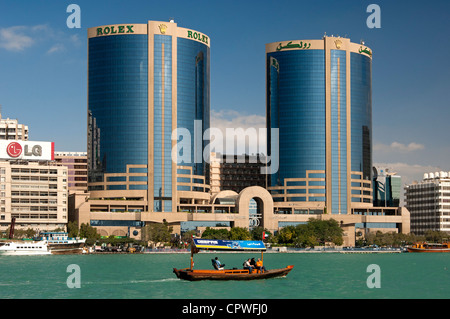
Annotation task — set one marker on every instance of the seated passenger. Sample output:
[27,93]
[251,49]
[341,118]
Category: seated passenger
[248,266]
[217,264]
[260,266]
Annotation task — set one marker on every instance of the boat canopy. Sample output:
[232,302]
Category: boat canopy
[230,245]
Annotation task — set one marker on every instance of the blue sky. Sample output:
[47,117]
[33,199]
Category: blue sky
[43,65]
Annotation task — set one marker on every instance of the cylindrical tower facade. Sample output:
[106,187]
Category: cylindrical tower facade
[145,81]
[319,97]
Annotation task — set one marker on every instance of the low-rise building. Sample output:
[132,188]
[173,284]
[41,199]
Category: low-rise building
[429,203]
[76,163]
[35,193]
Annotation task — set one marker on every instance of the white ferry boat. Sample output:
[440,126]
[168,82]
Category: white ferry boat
[61,243]
[25,248]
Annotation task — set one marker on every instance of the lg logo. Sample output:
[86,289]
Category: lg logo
[14,149]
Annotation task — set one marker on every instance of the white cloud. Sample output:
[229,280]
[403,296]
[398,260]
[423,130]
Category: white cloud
[20,38]
[243,131]
[15,38]
[398,147]
[56,48]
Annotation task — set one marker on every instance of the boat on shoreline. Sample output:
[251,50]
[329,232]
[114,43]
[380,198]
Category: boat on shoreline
[60,243]
[228,274]
[429,248]
[25,248]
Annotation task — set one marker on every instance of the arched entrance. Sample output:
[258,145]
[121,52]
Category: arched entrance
[255,206]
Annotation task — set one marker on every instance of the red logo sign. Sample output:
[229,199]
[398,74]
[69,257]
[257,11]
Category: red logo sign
[14,149]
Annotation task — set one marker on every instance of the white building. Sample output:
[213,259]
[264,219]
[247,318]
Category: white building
[33,187]
[12,130]
[428,202]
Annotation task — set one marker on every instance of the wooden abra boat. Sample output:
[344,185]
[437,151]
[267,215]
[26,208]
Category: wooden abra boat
[228,274]
[429,248]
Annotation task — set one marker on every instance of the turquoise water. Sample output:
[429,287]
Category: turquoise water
[150,276]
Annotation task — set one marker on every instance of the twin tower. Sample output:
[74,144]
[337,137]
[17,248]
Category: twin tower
[146,80]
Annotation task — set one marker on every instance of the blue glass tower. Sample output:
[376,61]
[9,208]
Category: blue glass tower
[145,81]
[319,97]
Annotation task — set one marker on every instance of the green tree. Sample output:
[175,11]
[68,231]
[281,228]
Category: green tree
[90,233]
[314,232]
[211,233]
[286,235]
[256,234]
[159,232]
[72,229]
[327,231]
[436,236]
[186,236]
[239,233]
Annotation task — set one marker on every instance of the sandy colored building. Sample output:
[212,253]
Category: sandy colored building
[11,129]
[35,193]
[76,163]
[135,178]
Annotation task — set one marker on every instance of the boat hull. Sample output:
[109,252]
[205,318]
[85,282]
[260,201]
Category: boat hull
[24,249]
[427,250]
[66,249]
[23,253]
[229,274]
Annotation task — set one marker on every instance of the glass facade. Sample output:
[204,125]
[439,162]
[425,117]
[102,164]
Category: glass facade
[338,131]
[118,108]
[162,123]
[119,105]
[299,81]
[296,95]
[361,124]
[193,99]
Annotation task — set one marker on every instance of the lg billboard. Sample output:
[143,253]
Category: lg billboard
[27,150]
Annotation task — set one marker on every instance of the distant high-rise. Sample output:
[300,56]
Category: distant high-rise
[387,188]
[319,96]
[12,130]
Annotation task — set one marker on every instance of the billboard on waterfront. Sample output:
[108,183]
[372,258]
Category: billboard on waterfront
[218,244]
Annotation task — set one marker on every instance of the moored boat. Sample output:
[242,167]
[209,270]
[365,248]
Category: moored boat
[228,274]
[25,248]
[60,243]
[429,248]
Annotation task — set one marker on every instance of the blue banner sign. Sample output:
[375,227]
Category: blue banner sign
[218,244]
